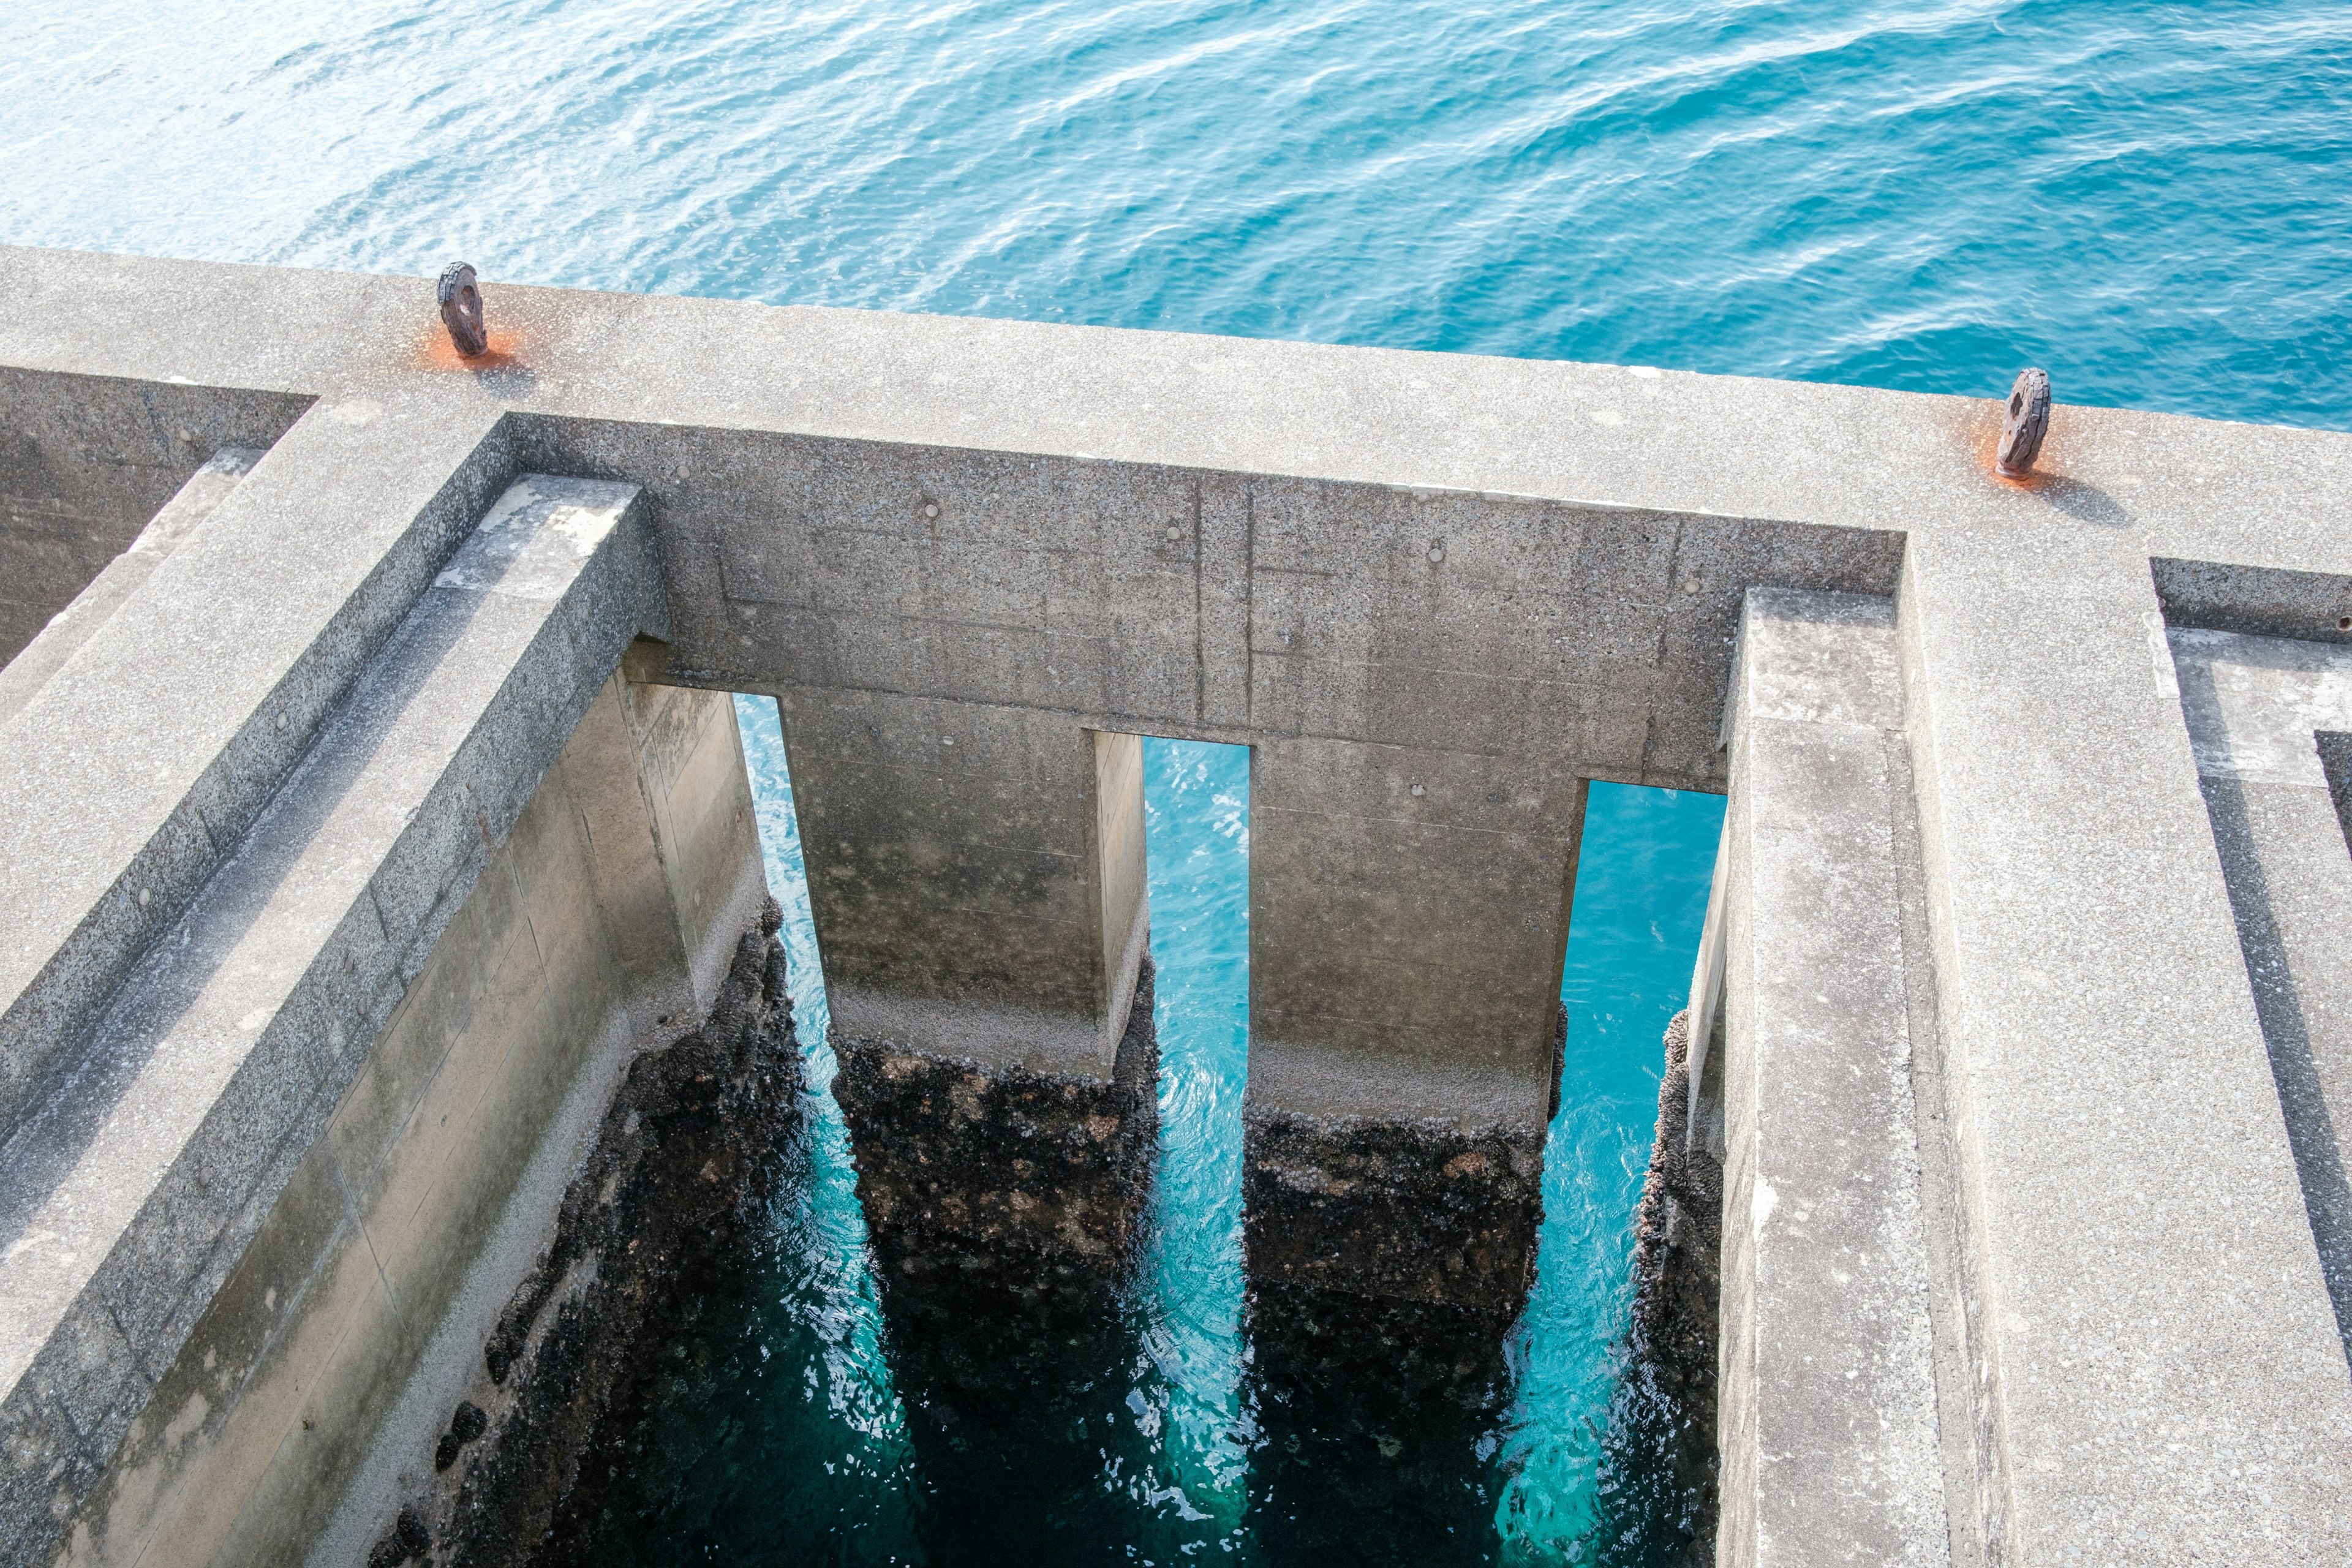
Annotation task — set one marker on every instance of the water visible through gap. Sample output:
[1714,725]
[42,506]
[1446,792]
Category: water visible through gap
[2149,198]
[797,1426]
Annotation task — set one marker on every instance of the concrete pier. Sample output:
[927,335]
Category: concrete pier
[1827,1417]
[2084,1307]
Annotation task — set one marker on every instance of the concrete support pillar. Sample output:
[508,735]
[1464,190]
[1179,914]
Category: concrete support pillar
[977,876]
[1828,1418]
[1407,920]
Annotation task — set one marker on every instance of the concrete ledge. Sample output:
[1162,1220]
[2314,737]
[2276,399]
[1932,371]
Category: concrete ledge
[146,773]
[86,461]
[132,1190]
[70,627]
[2261,714]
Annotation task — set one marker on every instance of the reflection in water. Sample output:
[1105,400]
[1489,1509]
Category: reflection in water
[803,1412]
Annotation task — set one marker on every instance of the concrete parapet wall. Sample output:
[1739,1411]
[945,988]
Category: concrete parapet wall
[30,668]
[86,461]
[236,1218]
[1828,1418]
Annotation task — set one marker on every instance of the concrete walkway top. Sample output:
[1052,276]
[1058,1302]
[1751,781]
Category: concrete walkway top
[2171,1385]
[1615,435]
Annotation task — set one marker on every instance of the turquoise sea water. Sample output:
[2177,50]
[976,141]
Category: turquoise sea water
[2154,201]
[795,1428]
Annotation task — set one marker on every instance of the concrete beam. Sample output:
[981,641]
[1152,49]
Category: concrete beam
[145,771]
[1828,1418]
[2153,1344]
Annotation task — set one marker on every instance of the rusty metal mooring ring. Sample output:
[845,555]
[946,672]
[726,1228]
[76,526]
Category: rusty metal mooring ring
[2027,422]
[461,311]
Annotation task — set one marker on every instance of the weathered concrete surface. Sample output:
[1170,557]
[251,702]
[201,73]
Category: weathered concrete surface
[1426,680]
[2154,1351]
[144,773]
[86,462]
[29,669]
[1025,1180]
[2153,1361]
[660,1210]
[2264,713]
[228,1219]
[1392,1209]
[1670,1386]
[1003,1105]
[1828,1414]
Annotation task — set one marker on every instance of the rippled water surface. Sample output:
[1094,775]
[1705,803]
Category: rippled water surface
[2150,199]
[2154,201]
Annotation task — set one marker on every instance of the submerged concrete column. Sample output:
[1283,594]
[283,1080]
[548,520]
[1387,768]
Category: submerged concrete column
[1407,920]
[977,878]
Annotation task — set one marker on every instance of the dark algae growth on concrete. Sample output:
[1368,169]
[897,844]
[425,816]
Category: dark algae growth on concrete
[682,1169]
[1372,1436]
[1028,1182]
[1030,1414]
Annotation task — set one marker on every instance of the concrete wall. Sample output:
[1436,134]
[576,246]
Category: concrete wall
[22,678]
[85,461]
[1122,895]
[314,1383]
[1426,680]
[1834,1447]
[242,1200]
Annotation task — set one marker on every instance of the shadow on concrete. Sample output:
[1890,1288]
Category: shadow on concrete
[2084,504]
[2278,1001]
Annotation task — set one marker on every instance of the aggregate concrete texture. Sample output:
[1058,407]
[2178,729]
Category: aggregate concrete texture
[30,668]
[160,1143]
[1435,593]
[1828,1421]
[85,463]
[2263,712]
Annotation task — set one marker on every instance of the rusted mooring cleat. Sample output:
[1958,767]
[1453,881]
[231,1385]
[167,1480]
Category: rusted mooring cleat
[2021,432]
[461,312]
